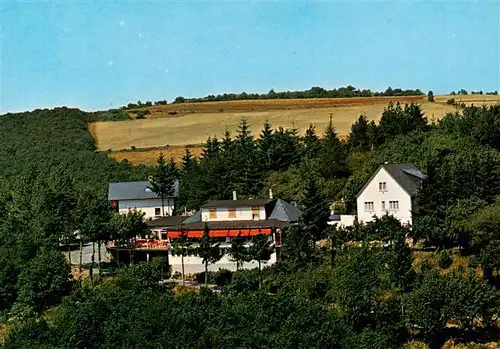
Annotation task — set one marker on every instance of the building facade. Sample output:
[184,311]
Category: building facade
[391,190]
[129,196]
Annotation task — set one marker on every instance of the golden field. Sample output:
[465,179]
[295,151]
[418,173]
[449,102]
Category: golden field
[194,122]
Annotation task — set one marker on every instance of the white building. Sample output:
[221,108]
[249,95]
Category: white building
[127,196]
[392,190]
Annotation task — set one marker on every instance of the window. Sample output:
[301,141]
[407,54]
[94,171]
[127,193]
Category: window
[213,213]
[231,212]
[255,213]
[382,186]
[157,211]
[394,205]
[383,205]
[163,236]
[369,206]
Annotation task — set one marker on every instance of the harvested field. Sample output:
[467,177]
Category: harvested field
[175,125]
[148,157]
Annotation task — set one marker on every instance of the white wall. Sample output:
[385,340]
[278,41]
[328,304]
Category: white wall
[194,264]
[147,206]
[242,214]
[346,220]
[394,192]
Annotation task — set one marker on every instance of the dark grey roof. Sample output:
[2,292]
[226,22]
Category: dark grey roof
[170,221]
[334,217]
[285,212]
[407,175]
[134,191]
[194,218]
[236,203]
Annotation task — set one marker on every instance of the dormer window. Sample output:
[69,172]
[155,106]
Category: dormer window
[382,186]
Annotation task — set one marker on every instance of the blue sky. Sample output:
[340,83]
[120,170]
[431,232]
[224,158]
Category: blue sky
[102,54]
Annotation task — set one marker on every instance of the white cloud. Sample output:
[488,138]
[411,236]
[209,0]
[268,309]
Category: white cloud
[122,23]
[166,70]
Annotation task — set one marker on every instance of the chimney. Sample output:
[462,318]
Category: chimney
[270,193]
[234,195]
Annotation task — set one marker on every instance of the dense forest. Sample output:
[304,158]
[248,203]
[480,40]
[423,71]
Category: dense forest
[336,296]
[313,92]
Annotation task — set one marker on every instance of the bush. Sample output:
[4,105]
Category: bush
[245,280]
[223,277]
[444,259]
[141,114]
[172,112]
[451,101]
[45,280]
[133,147]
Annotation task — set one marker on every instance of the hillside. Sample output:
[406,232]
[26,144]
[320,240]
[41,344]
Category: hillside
[169,128]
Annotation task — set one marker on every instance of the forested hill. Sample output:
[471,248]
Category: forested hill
[57,139]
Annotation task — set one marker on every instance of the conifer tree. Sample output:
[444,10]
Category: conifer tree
[359,137]
[311,142]
[315,209]
[163,181]
[332,154]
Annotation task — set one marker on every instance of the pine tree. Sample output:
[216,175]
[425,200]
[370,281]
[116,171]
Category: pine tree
[208,252]
[359,136]
[311,142]
[265,145]
[163,181]
[332,154]
[315,209]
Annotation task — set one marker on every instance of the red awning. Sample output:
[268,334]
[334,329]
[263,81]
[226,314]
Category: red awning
[221,233]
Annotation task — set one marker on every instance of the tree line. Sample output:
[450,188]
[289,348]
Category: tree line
[313,92]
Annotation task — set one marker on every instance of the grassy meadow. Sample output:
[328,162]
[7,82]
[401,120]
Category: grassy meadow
[171,127]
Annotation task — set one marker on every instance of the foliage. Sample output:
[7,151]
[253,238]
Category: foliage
[208,251]
[45,281]
[314,92]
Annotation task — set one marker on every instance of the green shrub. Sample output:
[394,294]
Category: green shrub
[444,259]
[451,101]
[223,277]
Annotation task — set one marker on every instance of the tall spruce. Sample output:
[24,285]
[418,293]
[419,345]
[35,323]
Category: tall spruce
[315,209]
[163,181]
[311,142]
[332,155]
[359,136]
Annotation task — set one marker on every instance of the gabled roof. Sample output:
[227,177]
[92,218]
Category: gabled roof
[134,191]
[285,212]
[236,203]
[169,221]
[406,175]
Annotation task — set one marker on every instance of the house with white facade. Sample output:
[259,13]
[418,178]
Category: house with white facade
[125,196]
[391,190]
[226,219]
